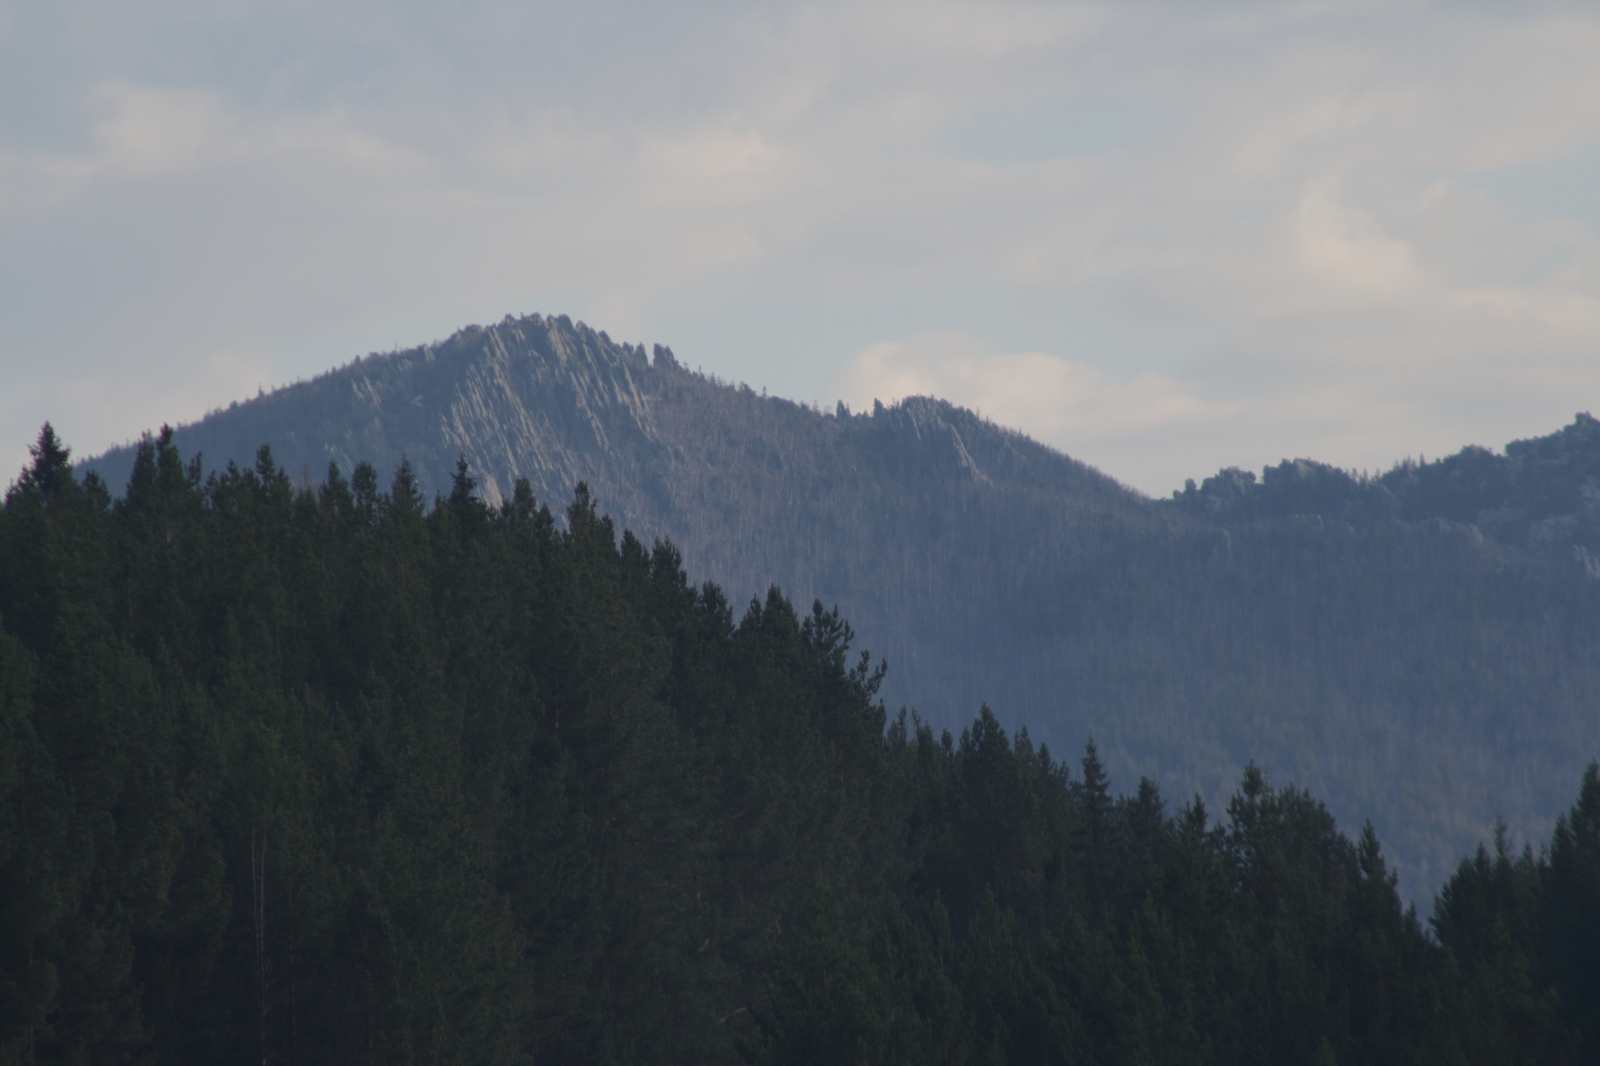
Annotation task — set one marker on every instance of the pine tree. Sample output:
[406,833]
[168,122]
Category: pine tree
[1571,913]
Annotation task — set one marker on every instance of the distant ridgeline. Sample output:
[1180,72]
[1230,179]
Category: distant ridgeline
[320,773]
[1421,649]
[1542,494]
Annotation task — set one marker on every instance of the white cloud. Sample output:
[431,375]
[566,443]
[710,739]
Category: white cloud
[1078,408]
[1061,399]
[1348,248]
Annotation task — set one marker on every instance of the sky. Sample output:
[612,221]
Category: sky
[1162,237]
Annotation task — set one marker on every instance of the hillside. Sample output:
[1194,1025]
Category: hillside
[1397,662]
[1541,495]
[330,775]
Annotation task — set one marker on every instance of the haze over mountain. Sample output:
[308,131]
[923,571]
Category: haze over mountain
[1418,648]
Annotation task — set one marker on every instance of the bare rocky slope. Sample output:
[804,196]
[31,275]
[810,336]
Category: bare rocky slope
[1409,669]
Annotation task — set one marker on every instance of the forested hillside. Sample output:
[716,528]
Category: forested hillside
[1542,495]
[333,773]
[1422,648]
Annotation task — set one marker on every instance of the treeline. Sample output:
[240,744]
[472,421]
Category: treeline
[341,775]
[1542,494]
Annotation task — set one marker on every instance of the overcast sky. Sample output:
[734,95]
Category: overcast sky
[1164,238]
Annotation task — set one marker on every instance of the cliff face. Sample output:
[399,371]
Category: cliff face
[1410,670]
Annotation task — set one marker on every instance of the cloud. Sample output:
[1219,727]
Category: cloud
[1059,398]
[1078,408]
[1226,232]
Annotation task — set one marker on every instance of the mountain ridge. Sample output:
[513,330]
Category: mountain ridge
[1391,663]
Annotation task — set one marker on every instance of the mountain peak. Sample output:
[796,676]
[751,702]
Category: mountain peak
[1286,620]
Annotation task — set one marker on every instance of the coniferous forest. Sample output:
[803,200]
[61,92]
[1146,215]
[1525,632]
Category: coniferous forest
[1420,648]
[340,774]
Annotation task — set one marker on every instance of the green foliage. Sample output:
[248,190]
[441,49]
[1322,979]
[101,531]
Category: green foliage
[332,774]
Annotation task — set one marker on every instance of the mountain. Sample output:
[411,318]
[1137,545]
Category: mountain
[1541,495]
[339,776]
[1364,638]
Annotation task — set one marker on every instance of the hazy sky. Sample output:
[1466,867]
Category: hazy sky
[1162,237]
